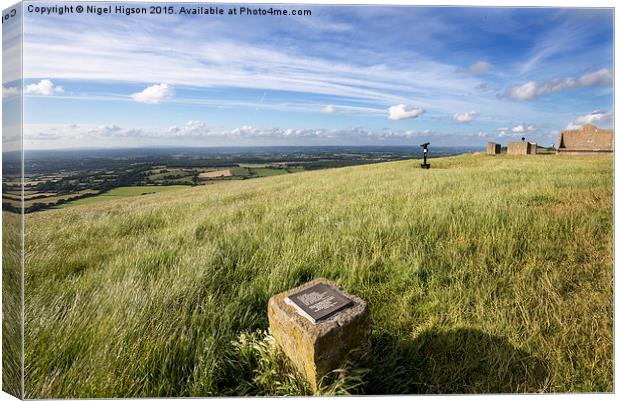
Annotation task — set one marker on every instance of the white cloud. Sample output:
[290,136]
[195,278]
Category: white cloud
[109,53]
[597,117]
[532,90]
[75,133]
[45,136]
[154,94]
[465,117]
[527,91]
[9,92]
[45,87]
[520,128]
[198,132]
[480,67]
[106,130]
[602,77]
[350,110]
[402,111]
[557,86]
[192,128]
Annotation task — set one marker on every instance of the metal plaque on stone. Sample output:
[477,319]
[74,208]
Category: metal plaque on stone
[318,302]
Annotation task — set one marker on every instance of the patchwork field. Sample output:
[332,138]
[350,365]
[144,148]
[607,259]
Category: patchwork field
[215,174]
[483,275]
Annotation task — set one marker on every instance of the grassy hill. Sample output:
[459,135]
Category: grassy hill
[483,274]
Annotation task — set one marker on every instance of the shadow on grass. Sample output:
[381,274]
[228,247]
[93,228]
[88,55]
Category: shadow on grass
[451,361]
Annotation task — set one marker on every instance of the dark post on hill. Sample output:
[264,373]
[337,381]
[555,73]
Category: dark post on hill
[317,325]
[425,165]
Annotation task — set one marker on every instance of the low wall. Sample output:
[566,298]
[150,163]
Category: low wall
[518,148]
[494,148]
[522,148]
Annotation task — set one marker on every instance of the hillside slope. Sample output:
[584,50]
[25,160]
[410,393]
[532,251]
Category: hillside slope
[483,274]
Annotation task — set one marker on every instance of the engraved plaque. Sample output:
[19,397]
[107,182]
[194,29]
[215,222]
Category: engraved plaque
[318,302]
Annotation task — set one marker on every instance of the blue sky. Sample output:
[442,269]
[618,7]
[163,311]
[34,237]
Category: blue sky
[366,75]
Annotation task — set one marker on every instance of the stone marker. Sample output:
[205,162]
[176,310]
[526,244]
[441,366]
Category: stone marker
[317,325]
[318,302]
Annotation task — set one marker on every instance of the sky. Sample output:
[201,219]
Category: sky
[344,75]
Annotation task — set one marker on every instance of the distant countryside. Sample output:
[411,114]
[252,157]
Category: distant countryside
[57,179]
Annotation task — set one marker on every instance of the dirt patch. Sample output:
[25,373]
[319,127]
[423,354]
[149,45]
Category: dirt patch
[215,174]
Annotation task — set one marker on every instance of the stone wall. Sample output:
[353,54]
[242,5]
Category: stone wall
[522,148]
[589,139]
[494,148]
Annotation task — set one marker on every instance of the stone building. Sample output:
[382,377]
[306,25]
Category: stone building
[494,148]
[588,140]
[522,148]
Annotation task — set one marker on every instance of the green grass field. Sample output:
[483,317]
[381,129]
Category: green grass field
[169,172]
[122,192]
[258,171]
[483,274]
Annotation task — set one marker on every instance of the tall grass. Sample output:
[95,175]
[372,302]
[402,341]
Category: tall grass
[482,274]
[12,309]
